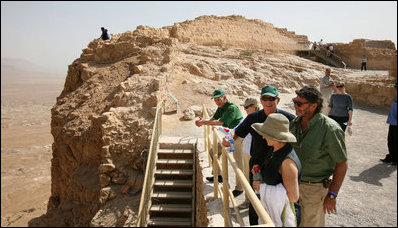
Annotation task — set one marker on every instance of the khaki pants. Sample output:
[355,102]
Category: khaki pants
[311,203]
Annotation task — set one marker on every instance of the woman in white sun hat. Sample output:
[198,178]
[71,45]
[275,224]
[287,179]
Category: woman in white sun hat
[280,171]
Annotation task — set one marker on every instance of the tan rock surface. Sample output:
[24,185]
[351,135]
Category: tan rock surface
[380,53]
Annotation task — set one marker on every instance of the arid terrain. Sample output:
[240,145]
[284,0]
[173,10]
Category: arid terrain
[26,100]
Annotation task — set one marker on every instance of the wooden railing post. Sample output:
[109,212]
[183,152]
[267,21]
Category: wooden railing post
[215,166]
[225,188]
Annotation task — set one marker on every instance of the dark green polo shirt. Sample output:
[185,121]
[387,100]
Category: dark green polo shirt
[319,147]
[229,114]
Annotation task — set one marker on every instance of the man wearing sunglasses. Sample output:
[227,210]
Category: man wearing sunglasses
[259,147]
[322,152]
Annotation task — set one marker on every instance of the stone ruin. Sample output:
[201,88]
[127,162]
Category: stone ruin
[380,54]
[102,120]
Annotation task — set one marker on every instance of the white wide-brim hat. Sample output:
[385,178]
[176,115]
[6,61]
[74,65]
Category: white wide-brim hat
[275,127]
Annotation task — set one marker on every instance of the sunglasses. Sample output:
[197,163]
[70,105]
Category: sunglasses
[340,86]
[298,103]
[264,98]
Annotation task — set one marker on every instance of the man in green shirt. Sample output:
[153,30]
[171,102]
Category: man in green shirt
[322,152]
[228,115]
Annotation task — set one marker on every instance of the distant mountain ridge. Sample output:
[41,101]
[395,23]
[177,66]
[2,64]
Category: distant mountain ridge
[17,68]
[23,65]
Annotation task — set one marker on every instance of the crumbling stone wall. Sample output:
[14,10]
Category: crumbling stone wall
[393,67]
[379,53]
[101,125]
[375,91]
[237,31]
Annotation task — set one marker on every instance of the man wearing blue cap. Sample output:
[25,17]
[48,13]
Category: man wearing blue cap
[259,148]
[228,115]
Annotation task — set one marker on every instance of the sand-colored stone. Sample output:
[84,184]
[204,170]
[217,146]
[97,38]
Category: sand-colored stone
[380,53]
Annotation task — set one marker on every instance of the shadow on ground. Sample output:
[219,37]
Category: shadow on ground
[374,174]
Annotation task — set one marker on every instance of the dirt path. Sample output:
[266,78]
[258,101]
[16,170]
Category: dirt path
[368,196]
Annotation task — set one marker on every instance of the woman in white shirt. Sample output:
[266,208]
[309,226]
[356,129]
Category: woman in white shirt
[250,105]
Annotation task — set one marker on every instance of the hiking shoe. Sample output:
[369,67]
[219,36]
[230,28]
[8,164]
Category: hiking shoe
[386,160]
[244,205]
[236,192]
[211,179]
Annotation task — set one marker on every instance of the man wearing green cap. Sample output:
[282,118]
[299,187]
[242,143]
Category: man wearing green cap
[259,148]
[228,115]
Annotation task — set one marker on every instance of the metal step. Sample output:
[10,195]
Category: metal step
[173,183]
[174,163]
[172,195]
[170,222]
[172,208]
[172,174]
[175,153]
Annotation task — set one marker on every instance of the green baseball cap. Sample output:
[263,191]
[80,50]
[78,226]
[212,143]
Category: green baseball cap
[270,91]
[217,93]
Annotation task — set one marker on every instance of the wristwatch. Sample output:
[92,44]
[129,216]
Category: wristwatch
[331,195]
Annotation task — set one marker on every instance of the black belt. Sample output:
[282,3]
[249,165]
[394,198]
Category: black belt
[311,182]
[326,182]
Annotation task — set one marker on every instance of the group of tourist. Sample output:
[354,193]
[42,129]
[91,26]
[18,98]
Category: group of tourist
[302,157]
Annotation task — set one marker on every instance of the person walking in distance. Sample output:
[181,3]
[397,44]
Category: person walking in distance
[326,87]
[322,152]
[340,107]
[364,60]
[228,115]
[259,148]
[392,138]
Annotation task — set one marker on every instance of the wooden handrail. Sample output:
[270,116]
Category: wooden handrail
[227,156]
[145,202]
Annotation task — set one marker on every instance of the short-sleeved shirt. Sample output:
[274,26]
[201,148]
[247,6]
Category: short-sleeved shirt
[319,147]
[229,114]
[340,104]
[326,81]
[259,147]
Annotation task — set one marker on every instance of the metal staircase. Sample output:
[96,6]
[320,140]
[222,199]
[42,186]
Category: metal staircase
[324,55]
[173,197]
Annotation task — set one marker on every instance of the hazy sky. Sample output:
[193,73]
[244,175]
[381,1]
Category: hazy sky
[53,34]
